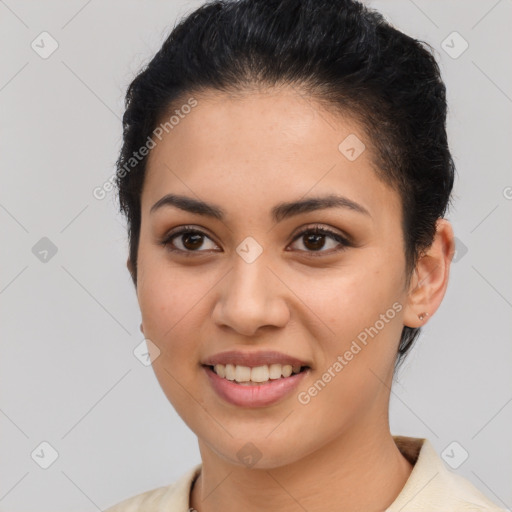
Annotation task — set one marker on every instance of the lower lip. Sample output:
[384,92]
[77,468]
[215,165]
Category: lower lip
[254,395]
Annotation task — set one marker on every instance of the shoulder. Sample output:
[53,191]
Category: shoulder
[432,486]
[173,497]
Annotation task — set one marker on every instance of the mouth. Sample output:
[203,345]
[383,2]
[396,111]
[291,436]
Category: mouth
[236,386]
[256,375]
[254,379]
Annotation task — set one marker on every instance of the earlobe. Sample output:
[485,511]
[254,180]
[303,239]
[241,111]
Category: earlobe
[430,280]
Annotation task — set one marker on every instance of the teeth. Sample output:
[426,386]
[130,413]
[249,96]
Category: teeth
[256,374]
[220,370]
[286,371]
[242,373]
[260,373]
[230,371]
[275,371]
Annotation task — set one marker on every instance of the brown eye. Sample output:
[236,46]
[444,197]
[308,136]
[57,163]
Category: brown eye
[186,241]
[192,241]
[314,240]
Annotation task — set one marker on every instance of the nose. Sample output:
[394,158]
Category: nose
[251,297]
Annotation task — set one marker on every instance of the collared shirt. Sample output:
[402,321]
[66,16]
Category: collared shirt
[431,487]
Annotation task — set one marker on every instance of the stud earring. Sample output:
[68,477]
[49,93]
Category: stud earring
[422,316]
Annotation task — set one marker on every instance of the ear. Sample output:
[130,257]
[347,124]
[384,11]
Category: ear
[430,278]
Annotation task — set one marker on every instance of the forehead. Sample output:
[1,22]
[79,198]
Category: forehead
[264,147]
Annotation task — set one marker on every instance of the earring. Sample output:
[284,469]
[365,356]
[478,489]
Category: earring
[421,316]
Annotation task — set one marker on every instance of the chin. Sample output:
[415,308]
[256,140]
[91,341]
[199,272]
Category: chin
[256,452]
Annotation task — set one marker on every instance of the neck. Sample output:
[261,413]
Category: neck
[359,471]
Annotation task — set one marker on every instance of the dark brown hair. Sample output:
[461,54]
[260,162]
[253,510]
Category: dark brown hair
[342,54]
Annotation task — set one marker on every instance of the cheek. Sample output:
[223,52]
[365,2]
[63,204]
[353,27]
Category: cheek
[170,300]
[362,306]
[348,299]
[166,294]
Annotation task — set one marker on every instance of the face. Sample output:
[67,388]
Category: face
[258,278]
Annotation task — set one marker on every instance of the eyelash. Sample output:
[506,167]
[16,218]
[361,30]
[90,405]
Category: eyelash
[316,230]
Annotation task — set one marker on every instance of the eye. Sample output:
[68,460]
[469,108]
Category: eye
[188,238]
[313,238]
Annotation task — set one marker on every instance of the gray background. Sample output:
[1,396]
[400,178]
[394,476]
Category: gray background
[69,325]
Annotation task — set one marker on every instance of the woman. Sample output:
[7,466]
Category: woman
[285,173]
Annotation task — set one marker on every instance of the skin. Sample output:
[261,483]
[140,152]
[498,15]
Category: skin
[246,154]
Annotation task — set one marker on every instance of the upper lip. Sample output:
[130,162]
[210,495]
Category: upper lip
[252,359]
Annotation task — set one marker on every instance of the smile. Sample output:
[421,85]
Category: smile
[255,375]
[258,386]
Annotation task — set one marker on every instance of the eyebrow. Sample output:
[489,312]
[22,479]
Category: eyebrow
[278,213]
